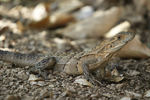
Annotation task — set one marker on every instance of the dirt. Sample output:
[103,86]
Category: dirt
[14,83]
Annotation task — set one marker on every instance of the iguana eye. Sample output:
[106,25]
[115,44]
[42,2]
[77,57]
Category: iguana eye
[109,45]
[119,37]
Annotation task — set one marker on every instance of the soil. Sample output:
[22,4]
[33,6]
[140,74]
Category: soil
[14,83]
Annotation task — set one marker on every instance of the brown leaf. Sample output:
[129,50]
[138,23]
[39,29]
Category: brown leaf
[147,93]
[94,26]
[58,20]
[53,21]
[115,72]
[42,24]
[34,78]
[134,49]
[83,82]
[114,78]
[20,26]
[133,94]
[3,30]
[41,11]
[124,26]
[108,74]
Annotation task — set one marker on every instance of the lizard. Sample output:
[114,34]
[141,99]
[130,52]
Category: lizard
[74,63]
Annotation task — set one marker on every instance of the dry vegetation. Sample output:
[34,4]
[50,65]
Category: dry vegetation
[56,26]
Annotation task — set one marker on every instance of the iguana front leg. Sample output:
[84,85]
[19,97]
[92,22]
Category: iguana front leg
[102,72]
[85,67]
[46,63]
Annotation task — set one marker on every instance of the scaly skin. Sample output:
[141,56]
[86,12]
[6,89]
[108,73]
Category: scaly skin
[74,63]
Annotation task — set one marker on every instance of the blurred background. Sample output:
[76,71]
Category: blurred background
[49,26]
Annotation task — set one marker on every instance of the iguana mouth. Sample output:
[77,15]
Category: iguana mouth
[118,47]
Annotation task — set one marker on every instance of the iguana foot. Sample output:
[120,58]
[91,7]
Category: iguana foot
[94,80]
[44,74]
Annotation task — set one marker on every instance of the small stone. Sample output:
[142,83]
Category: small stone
[38,98]
[79,92]
[94,95]
[22,75]
[8,71]
[11,83]
[148,69]
[64,94]
[112,85]
[83,96]
[2,71]
[108,86]
[134,73]
[119,86]
[44,93]
[21,87]
[41,83]
[112,88]
[14,70]
[34,93]
[51,85]
[72,90]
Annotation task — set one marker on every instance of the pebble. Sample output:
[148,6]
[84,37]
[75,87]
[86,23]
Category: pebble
[44,93]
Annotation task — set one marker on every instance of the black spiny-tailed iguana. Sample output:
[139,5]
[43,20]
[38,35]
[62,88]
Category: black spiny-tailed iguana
[74,63]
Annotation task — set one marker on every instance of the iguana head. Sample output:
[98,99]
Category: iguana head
[115,43]
[112,45]
[108,48]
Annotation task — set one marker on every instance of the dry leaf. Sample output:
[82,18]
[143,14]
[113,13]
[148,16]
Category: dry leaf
[2,37]
[34,78]
[3,30]
[115,72]
[40,25]
[20,26]
[41,11]
[41,16]
[126,98]
[108,74]
[125,26]
[84,13]
[53,21]
[38,83]
[147,93]
[51,85]
[83,82]
[60,19]
[133,73]
[148,69]
[114,78]
[65,93]
[94,26]
[134,49]
[109,95]
[133,95]
[69,6]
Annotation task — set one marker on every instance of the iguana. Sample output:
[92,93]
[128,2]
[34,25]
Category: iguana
[73,63]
